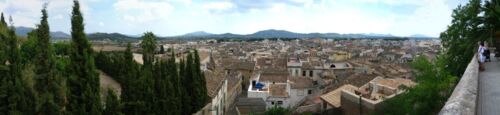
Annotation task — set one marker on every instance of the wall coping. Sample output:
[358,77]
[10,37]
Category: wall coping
[463,99]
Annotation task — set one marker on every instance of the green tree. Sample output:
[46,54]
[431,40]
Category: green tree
[145,98]
[148,45]
[428,97]
[461,38]
[492,20]
[185,88]
[190,83]
[61,48]
[4,70]
[162,49]
[174,79]
[28,48]
[277,111]
[200,80]
[84,80]
[2,20]
[113,106]
[47,84]
[20,97]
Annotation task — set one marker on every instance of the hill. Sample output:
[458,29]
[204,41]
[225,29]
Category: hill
[110,37]
[23,31]
[273,33]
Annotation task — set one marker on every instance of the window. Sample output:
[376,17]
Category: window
[300,92]
[309,91]
[280,102]
[310,73]
[303,73]
[332,66]
[272,102]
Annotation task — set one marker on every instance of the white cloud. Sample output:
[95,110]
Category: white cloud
[58,17]
[431,17]
[392,2]
[28,12]
[101,24]
[186,2]
[143,11]
[428,17]
[218,6]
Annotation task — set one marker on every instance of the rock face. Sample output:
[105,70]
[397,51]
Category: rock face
[463,99]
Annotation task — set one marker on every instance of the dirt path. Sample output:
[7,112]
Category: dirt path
[108,82]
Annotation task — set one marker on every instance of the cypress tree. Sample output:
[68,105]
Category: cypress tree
[147,81]
[162,50]
[130,71]
[47,85]
[176,85]
[84,80]
[21,99]
[185,89]
[4,70]
[113,106]
[163,89]
[2,20]
[200,80]
[191,84]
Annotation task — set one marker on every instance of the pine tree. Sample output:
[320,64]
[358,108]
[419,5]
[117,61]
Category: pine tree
[84,80]
[47,85]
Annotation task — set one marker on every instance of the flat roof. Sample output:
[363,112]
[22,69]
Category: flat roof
[333,97]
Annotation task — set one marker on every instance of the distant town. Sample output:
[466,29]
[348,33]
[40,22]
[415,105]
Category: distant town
[306,75]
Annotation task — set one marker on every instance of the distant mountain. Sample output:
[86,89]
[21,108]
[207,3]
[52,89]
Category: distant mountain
[265,34]
[198,33]
[60,35]
[381,35]
[23,31]
[110,37]
[419,36]
[273,33]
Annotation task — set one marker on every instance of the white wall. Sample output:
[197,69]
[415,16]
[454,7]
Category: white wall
[218,102]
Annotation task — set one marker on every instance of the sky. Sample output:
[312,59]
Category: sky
[177,17]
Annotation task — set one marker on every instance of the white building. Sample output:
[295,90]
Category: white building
[278,89]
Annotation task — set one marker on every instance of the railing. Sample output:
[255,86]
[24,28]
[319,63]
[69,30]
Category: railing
[463,99]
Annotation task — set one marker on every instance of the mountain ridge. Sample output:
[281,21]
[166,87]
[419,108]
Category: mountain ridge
[263,34]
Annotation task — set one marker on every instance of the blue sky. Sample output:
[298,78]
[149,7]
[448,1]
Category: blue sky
[176,17]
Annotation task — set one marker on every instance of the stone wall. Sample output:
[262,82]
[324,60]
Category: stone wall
[308,108]
[463,99]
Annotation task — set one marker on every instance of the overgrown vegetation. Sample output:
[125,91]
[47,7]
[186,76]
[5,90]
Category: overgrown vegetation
[277,111]
[435,84]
